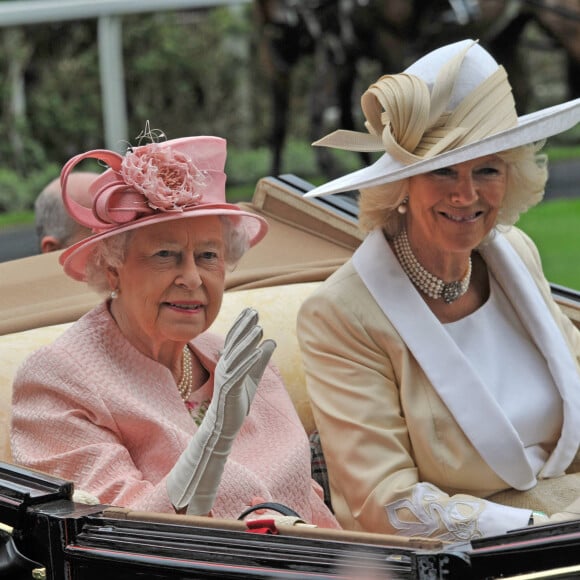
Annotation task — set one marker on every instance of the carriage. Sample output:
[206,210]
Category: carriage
[46,534]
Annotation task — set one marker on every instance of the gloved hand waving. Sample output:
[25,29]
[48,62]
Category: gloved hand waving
[194,480]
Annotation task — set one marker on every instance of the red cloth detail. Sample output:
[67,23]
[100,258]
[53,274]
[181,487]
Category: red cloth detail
[262,526]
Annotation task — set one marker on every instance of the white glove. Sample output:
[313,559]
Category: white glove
[194,479]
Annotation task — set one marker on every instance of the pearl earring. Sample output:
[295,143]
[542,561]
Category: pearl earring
[402,207]
[114,294]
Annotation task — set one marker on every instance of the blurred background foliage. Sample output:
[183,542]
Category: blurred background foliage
[192,72]
[186,72]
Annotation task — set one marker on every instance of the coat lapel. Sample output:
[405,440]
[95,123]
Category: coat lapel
[462,391]
[518,284]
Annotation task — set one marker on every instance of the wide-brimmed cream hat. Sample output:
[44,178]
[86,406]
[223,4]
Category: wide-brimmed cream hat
[452,105]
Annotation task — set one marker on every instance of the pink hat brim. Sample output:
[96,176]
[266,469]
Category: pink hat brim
[74,259]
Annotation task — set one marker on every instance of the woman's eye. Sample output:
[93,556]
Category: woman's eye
[208,256]
[443,172]
[489,171]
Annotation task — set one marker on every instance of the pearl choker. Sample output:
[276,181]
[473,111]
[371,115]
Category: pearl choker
[426,282]
[185,385]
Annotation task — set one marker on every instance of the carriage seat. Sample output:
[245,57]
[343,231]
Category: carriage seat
[277,305]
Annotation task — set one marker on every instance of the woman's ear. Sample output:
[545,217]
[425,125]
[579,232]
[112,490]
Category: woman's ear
[113,278]
[50,244]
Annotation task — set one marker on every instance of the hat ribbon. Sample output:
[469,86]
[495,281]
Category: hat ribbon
[410,123]
[145,181]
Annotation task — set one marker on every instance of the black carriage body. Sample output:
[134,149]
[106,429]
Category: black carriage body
[54,538]
[72,541]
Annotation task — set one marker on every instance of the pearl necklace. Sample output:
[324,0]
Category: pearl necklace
[185,385]
[426,282]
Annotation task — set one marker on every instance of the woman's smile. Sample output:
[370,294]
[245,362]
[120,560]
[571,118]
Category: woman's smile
[185,307]
[462,218]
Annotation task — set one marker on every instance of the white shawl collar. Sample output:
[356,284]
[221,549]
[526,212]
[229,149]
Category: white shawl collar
[462,390]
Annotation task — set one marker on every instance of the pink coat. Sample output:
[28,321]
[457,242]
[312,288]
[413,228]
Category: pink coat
[91,409]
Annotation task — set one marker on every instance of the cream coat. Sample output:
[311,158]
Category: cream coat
[412,439]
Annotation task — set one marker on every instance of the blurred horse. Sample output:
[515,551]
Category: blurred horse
[560,19]
[500,26]
[339,34]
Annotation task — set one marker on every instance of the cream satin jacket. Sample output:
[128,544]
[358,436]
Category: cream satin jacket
[412,438]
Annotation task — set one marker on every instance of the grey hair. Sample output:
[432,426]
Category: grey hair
[527,174]
[111,252]
[51,217]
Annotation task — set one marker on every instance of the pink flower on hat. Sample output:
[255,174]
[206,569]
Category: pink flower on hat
[167,178]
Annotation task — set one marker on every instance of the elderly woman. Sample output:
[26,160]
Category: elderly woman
[137,403]
[444,378]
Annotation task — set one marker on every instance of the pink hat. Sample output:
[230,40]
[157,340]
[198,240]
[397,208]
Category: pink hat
[170,180]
